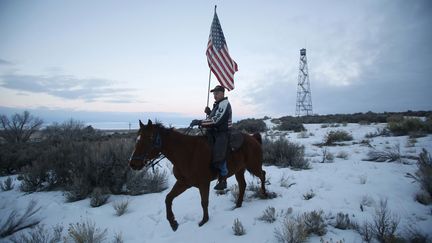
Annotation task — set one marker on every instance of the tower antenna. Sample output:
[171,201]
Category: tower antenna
[304,99]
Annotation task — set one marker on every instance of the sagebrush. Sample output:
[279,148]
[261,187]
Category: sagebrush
[142,182]
[337,136]
[284,153]
[238,228]
[292,230]
[269,215]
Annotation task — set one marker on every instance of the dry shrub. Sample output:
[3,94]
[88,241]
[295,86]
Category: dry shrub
[234,190]
[269,215]
[292,230]
[7,184]
[283,153]
[309,195]
[379,132]
[414,235]
[411,142]
[303,134]
[388,155]
[251,125]
[98,197]
[315,223]
[15,222]
[121,207]
[337,136]
[343,222]
[366,232]
[70,151]
[118,238]
[290,125]
[383,227]
[342,155]
[143,182]
[40,235]
[78,189]
[327,157]
[423,198]
[86,232]
[424,171]
[238,228]
[424,176]
[97,163]
[33,177]
[408,126]
[363,179]
[285,182]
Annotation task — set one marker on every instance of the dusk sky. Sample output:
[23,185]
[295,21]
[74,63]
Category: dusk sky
[146,59]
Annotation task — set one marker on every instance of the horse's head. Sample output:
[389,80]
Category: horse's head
[148,146]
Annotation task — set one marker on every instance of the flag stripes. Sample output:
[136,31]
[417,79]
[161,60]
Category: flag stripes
[218,58]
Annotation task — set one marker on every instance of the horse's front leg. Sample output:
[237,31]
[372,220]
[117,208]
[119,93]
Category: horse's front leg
[177,189]
[204,191]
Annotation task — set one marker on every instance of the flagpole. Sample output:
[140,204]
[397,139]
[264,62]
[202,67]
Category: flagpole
[208,90]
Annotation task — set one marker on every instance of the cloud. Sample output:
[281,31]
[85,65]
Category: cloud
[378,61]
[67,87]
[4,62]
[101,119]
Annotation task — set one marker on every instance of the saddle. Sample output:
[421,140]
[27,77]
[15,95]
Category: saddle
[235,140]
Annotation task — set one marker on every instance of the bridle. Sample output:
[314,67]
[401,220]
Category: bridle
[156,144]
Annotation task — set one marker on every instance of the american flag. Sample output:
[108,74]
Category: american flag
[218,58]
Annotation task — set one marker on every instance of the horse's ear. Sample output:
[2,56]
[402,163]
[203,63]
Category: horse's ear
[141,124]
[149,122]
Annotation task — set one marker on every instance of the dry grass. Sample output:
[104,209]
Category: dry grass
[16,222]
[121,207]
[86,232]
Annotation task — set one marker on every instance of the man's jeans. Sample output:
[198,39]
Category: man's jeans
[222,166]
[219,152]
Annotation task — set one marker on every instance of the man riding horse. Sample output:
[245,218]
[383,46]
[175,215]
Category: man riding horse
[218,124]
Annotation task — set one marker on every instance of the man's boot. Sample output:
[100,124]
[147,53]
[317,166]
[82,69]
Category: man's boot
[222,183]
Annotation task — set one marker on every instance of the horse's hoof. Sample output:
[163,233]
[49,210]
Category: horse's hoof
[174,225]
[238,205]
[202,222]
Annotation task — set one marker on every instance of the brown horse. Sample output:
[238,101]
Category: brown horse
[191,157]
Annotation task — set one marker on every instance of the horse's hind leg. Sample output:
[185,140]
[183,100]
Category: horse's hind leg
[261,174]
[177,189]
[263,179]
[242,186]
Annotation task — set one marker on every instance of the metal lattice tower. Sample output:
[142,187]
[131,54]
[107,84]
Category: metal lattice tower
[304,100]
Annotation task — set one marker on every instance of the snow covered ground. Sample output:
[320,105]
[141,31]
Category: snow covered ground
[340,186]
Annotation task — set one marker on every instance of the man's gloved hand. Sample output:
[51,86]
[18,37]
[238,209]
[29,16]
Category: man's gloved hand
[195,122]
[207,110]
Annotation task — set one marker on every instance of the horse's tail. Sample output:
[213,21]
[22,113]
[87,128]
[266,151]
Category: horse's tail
[257,137]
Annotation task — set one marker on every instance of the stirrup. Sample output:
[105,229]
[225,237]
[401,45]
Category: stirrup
[222,185]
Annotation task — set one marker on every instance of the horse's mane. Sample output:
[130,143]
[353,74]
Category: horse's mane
[162,128]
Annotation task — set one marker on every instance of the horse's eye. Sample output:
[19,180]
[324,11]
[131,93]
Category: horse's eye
[138,138]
